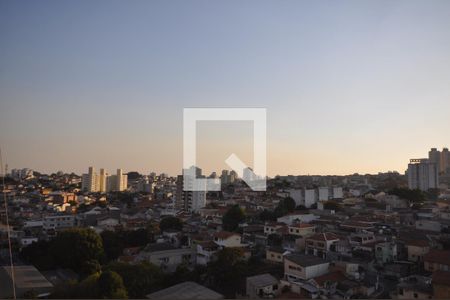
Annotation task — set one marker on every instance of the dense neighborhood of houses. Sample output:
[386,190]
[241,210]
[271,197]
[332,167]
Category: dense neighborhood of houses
[328,237]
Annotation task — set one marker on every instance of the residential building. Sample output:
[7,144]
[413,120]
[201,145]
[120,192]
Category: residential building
[187,290]
[386,252]
[300,266]
[89,181]
[58,222]
[262,286]
[227,239]
[302,229]
[273,228]
[437,260]
[320,244]
[417,249]
[414,287]
[189,197]
[167,257]
[441,284]
[275,254]
[297,217]
[440,158]
[423,174]
[26,279]
[93,182]
[206,251]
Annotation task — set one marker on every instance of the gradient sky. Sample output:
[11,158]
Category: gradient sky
[349,86]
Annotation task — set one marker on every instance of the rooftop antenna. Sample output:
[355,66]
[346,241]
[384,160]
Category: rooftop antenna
[8,229]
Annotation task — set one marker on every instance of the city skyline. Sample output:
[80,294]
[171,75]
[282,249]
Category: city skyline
[349,87]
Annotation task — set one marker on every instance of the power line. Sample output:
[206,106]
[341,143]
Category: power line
[8,229]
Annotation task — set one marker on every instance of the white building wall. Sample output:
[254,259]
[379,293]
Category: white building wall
[324,194]
[310,198]
[317,270]
[297,196]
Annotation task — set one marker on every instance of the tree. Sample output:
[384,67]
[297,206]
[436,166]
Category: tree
[90,267]
[85,289]
[110,286]
[170,223]
[38,254]
[228,271]
[415,196]
[72,247]
[113,244]
[140,279]
[232,218]
[107,284]
[285,206]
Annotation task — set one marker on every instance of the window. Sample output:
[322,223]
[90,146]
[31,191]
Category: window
[295,268]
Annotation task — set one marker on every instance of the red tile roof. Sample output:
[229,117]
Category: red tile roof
[328,236]
[441,278]
[417,243]
[438,256]
[224,234]
[335,276]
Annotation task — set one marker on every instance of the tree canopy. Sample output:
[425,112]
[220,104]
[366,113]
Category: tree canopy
[170,223]
[140,279]
[413,196]
[285,206]
[71,248]
[232,218]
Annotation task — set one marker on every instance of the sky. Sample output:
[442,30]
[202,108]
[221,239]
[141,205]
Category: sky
[349,86]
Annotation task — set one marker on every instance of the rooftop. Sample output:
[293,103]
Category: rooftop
[184,291]
[305,260]
[438,256]
[262,280]
[324,237]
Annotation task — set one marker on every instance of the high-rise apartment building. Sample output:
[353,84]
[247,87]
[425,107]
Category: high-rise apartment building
[434,156]
[423,174]
[117,183]
[102,181]
[187,199]
[441,158]
[445,161]
[89,181]
[93,182]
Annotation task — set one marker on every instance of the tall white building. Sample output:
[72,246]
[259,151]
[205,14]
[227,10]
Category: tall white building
[102,181]
[93,182]
[188,200]
[423,174]
[20,174]
[440,158]
[89,181]
[117,183]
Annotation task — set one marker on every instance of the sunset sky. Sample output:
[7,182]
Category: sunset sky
[349,86]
